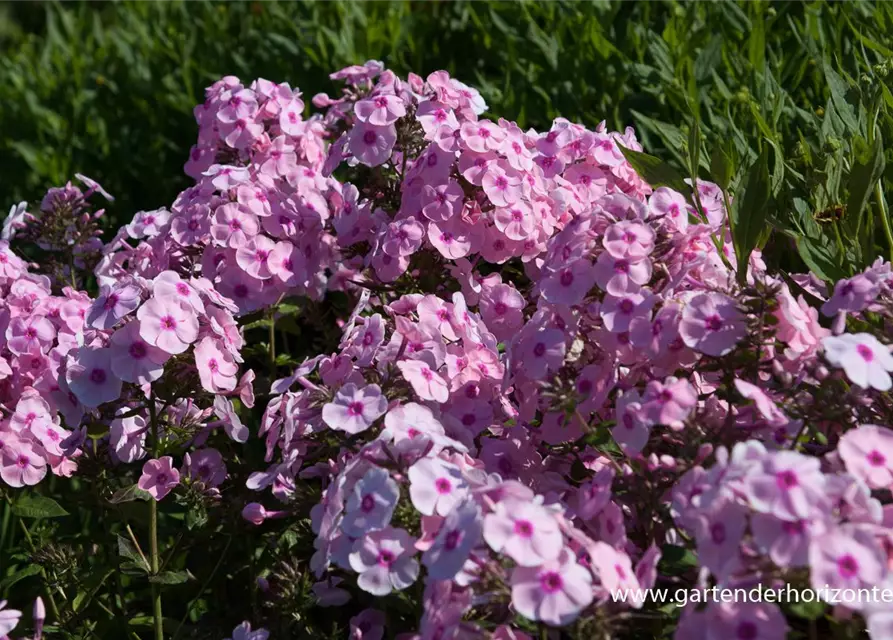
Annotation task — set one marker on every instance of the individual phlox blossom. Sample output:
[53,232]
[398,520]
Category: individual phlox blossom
[29,334]
[232,226]
[385,561]
[9,618]
[672,206]
[620,312]
[614,570]
[542,352]
[847,558]
[216,367]
[21,465]
[159,477]
[569,284]
[718,534]
[403,238]
[452,239]
[30,412]
[669,403]
[865,360]
[132,358]
[619,276]
[371,503]
[369,624]
[170,326]
[852,295]
[554,592]
[516,221]
[380,110]
[169,287]
[113,303]
[254,257]
[502,187]
[712,324]
[526,532]
[787,484]
[867,453]
[354,409]
[787,542]
[127,436]
[206,466]
[460,532]
[428,384]
[148,224]
[502,309]
[443,201]
[245,632]
[436,486]
[90,377]
[629,239]
[482,136]
[372,145]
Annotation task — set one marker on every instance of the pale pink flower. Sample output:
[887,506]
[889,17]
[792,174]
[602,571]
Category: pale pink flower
[159,477]
[89,376]
[113,303]
[459,533]
[169,326]
[404,238]
[206,466]
[21,465]
[30,412]
[787,484]
[516,221]
[169,287]
[851,294]
[9,618]
[29,334]
[244,632]
[436,486]
[542,352]
[614,570]
[133,359]
[427,384]
[867,453]
[619,276]
[367,625]
[555,592]
[372,145]
[569,284]
[371,503]
[503,188]
[354,409]
[452,239]
[526,532]
[866,361]
[787,542]
[669,403]
[384,559]
[216,367]
[712,324]
[127,436]
[380,110]
[847,558]
[672,205]
[628,239]
[148,224]
[254,257]
[232,226]
[442,202]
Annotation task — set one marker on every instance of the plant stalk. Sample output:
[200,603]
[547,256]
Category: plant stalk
[885,218]
[157,617]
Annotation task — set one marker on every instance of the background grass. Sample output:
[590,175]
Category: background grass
[107,89]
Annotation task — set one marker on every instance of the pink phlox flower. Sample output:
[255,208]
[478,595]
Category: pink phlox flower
[127,436]
[384,559]
[371,503]
[90,377]
[865,360]
[380,110]
[669,403]
[244,632]
[867,453]
[159,477]
[427,383]
[459,533]
[113,304]
[133,359]
[169,287]
[852,295]
[21,464]
[527,533]
[354,409]
[169,325]
[436,486]
[847,557]
[216,367]
[541,352]
[372,145]
[9,618]
[712,324]
[787,484]
[757,620]
[554,592]
[29,334]
[629,239]
[619,276]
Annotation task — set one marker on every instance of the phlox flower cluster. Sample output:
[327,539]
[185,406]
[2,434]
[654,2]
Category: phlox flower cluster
[551,374]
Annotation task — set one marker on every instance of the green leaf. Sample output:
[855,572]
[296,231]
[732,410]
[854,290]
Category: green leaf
[838,87]
[750,211]
[868,167]
[170,577]
[32,506]
[808,610]
[129,494]
[721,169]
[91,585]
[821,259]
[8,581]
[655,171]
[126,549]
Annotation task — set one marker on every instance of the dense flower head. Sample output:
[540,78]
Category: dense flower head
[551,373]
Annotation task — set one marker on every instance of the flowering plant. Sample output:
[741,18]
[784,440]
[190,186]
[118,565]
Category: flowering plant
[537,380]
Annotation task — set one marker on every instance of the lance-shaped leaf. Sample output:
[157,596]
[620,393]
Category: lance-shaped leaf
[750,210]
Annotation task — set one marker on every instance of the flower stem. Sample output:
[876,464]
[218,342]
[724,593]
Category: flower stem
[273,343]
[153,531]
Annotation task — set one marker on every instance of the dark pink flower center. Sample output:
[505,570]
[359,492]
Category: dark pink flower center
[713,323]
[786,480]
[368,503]
[718,533]
[847,566]
[138,350]
[370,137]
[443,486]
[111,301]
[866,352]
[355,409]
[747,631]
[523,528]
[98,376]
[385,558]
[876,458]
[452,540]
[550,581]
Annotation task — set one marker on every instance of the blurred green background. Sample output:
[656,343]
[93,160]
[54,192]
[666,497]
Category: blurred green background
[107,89]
